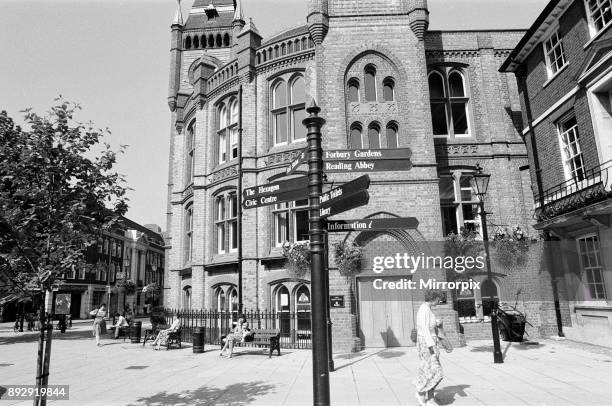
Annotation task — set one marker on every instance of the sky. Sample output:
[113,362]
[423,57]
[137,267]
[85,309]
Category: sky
[112,57]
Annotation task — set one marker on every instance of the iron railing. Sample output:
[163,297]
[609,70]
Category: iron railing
[294,326]
[575,193]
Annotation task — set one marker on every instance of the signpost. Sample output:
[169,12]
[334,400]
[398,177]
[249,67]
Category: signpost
[276,192]
[346,203]
[394,223]
[349,188]
[367,160]
[301,158]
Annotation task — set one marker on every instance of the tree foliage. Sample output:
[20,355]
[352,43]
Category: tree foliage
[58,192]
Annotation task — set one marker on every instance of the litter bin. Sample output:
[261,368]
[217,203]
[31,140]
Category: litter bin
[198,340]
[135,331]
[511,325]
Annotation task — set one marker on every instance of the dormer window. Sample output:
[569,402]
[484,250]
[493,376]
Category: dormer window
[211,11]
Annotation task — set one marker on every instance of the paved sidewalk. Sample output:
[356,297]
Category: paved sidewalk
[120,373]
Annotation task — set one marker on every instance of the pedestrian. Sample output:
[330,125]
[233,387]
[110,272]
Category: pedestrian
[238,334]
[99,325]
[430,372]
[162,336]
[129,314]
[121,322]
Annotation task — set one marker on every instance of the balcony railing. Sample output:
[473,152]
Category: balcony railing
[574,193]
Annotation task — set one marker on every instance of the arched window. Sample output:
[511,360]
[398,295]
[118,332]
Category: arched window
[226,223]
[356,136]
[490,297]
[353,90]
[222,135]
[392,141]
[304,43]
[290,47]
[232,295]
[233,129]
[465,305]
[276,52]
[196,41]
[449,103]
[219,41]
[220,299]
[189,153]
[258,59]
[288,110]
[188,42]
[283,50]
[374,136]
[187,298]
[283,310]
[203,41]
[370,83]
[302,310]
[211,41]
[188,239]
[265,58]
[388,90]
[297,45]
[226,40]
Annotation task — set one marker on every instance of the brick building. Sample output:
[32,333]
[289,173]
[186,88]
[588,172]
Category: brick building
[131,252]
[563,67]
[382,80]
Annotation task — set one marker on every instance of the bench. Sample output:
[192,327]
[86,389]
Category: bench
[123,331]
[151,333]
[174,338]
[269,338]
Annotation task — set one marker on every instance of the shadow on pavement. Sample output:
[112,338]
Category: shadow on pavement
[390,354]
[33,337]
[446,395]
[357,360]
[350,356]
[235,394]
[528,345]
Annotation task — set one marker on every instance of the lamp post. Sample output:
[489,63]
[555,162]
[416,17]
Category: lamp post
[154,269]
[482,184]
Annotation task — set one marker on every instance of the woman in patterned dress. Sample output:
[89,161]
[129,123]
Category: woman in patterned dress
[236,335]
[430,372]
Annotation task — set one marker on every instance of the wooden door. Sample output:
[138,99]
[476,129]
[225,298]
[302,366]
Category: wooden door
[386,316]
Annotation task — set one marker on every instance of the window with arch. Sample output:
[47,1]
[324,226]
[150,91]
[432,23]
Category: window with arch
[291,222]
[188,235]
[226,223]
[459,203]
[392,130]
[302,309]
[353,90]
[203,41]
[188,42]
[226,39]
[219,40]
[196,41]
[356,136]
[211,41]
[374,136]
[388,90]
[220,301]
[449,103]
[370,83]
[189,153]
[288,110]
[465,304]
[282,306]
[227,130]
[187,298]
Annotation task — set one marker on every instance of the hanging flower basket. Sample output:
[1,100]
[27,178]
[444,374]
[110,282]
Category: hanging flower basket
[151,289]
[348,258]
[463,244]
[298,258]
[127,286]
[510,248]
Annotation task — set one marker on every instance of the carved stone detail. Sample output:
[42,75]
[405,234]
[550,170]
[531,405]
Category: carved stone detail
[373,108]
[223,174]
[281,157]
[457,149]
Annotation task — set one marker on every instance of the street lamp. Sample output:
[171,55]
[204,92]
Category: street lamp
[481,181]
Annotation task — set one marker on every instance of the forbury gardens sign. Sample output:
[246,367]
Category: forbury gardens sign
[343,198]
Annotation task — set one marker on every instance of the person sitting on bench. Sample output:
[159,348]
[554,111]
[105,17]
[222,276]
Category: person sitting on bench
[162,337]
[238,334]
[121,322]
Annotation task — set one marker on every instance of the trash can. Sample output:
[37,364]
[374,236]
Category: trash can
[135,331]
[511,325]
[198,340]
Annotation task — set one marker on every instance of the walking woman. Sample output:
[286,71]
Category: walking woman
[429,373]
[98,323]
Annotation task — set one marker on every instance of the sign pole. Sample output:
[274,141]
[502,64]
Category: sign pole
[320,372]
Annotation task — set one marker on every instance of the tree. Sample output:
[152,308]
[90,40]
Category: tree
[58,192]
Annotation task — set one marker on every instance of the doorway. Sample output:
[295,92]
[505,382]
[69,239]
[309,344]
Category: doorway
[386,316]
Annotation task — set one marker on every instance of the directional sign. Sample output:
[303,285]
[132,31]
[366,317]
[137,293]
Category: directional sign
[347,203]
[297,161]
[396,223]
[275,188]
[367,154]
[349,188]
[343,166]
[289,196]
